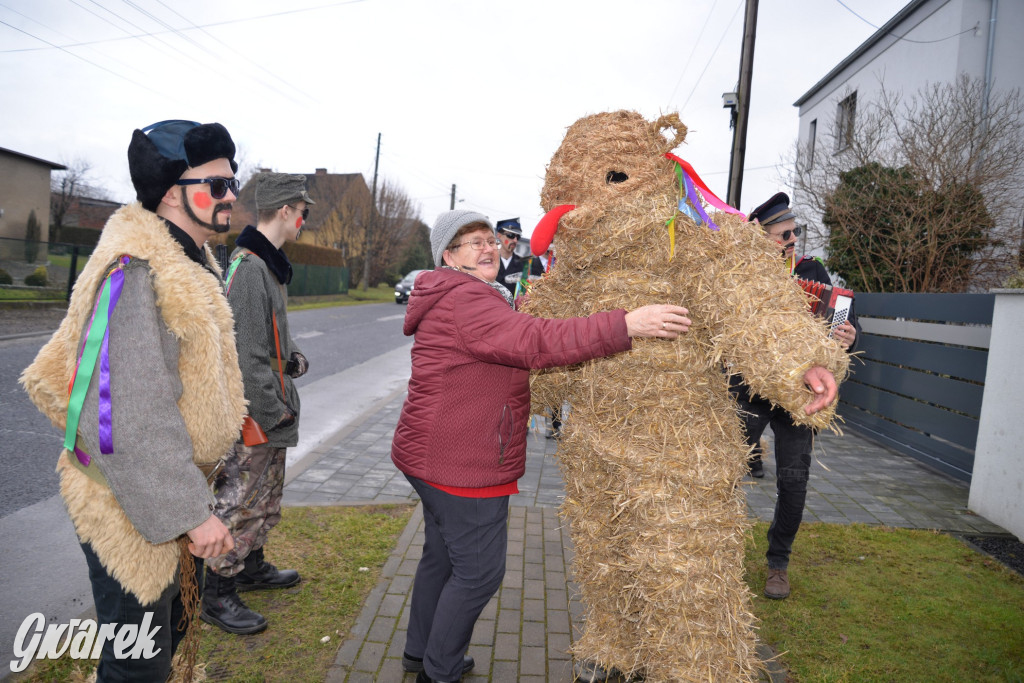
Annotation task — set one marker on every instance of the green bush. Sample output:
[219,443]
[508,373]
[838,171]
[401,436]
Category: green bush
[38,278]
[32,236]
[5,278]
[1015,281]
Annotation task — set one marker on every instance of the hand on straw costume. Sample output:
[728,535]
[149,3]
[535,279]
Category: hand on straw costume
[823,384]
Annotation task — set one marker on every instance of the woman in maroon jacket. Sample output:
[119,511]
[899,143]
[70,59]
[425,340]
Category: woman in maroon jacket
[461,439]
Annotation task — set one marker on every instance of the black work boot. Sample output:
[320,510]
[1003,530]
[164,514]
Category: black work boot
[224,609]
[261,575]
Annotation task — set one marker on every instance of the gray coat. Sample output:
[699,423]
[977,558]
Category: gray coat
[255,295]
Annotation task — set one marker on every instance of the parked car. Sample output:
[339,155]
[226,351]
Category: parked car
[404,286]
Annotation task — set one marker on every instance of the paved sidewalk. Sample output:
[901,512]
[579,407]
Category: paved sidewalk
[526,630]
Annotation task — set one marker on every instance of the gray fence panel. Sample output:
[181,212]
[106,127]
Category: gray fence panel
[954,308]
[941,455]
[920,416]
[944,391]
[955,361]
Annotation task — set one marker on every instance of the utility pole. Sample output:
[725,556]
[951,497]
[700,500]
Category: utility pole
[370,222]
[739,133]
[452,207]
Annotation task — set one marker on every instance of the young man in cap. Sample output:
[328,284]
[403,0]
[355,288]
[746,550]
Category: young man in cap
[793,443]
[156,393]
[249,491]
[511,265]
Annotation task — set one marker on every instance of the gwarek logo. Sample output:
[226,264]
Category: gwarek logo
[81,639]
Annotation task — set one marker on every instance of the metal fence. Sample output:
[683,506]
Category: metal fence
[919,376]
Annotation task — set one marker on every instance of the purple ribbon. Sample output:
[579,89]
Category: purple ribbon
[106,419]
[82,456]
[691,193]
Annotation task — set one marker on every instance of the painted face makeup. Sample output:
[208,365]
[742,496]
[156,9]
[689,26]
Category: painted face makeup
[200,198]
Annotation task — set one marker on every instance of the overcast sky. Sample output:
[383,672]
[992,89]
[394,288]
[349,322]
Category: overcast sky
[475,93]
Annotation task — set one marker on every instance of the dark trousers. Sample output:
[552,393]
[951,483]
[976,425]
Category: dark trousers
[116,605]
[793,444]
[463,564]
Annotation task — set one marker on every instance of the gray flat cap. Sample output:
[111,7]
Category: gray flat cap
[274,190]
[445,227]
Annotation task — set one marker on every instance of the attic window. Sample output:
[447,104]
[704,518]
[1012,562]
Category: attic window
[616,177]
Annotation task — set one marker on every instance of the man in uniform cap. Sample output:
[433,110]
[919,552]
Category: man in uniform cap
[793,443]
[155,391]
[512,266]
[249,491]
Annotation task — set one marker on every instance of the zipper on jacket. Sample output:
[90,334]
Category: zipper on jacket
[503,443]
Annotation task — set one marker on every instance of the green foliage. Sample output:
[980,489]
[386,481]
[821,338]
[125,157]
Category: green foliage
[72,234]
[37,278]
[890,231]
[1015,281]
[5,278]
[32,236]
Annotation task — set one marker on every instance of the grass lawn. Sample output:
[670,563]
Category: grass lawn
[877,604]
[868,604]
[32,294]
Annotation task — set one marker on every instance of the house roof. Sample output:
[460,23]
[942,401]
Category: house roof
[52,164]
[875,38]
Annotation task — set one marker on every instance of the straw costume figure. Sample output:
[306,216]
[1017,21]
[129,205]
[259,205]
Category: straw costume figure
[652,451]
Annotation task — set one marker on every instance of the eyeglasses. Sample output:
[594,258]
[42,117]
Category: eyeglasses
[795,232]
[477,244]
[510,235]
[305,211]
[218,186]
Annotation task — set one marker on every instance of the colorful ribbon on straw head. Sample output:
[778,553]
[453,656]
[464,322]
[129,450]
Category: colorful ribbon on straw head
[96,349]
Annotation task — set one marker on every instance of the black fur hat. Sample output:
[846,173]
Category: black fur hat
[160,153]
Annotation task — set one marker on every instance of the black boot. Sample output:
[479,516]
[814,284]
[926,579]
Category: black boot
[223,608]
[261,575]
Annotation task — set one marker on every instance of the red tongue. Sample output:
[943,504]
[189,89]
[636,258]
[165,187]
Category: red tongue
[542,235]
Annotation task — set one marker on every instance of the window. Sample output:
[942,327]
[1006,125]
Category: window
[812,135]
[845,118]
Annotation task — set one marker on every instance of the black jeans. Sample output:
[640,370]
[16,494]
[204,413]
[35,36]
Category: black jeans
[464,545]
[115,605]
[793,444]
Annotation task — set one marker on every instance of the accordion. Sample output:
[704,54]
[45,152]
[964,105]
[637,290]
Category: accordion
[828,301]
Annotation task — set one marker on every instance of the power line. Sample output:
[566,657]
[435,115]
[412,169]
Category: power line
[210,25]
[908,40]
[692,51]
[712,56]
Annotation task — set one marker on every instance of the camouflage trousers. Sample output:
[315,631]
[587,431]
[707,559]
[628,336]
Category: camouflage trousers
[248,492]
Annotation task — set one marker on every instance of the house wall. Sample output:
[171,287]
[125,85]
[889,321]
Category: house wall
[24,187]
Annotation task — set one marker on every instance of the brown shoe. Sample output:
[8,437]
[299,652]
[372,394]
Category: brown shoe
[777,585]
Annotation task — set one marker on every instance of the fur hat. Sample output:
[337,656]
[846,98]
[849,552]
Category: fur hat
[447,225]
[160,153]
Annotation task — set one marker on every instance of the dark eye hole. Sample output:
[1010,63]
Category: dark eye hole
[616,177]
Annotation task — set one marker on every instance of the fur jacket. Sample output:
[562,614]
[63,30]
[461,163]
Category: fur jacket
[127,511]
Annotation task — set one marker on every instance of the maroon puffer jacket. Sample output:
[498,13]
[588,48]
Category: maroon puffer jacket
[464,422]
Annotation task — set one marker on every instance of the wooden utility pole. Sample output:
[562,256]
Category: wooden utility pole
[452,207]
[370,222]
[739,133]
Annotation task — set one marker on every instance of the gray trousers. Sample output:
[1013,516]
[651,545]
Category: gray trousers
[463,564]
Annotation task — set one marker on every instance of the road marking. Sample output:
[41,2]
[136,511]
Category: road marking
[307,335]
[391,317]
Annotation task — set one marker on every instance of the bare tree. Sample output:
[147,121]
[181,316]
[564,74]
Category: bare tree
[918,194]
[394,220]
[74,181]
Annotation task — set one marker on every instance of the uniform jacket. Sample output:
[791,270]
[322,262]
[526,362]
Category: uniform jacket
[464,422]
[255,295]
[511,274]
[176,394]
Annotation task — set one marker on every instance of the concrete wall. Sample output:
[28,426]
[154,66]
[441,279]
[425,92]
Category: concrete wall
[997,485]
[24,187]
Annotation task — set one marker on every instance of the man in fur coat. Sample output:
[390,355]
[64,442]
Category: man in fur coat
[250,490]
[143,376]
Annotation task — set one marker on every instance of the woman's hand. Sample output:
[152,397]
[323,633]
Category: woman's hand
[657,320]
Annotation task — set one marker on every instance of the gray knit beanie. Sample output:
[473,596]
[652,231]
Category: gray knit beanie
[445,227]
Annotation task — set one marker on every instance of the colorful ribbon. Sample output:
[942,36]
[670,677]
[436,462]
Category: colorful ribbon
[96,348]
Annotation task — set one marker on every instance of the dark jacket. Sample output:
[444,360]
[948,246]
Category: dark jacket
[465,420]
[511,274]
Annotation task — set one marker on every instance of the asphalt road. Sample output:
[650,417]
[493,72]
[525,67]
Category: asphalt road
[333,339]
